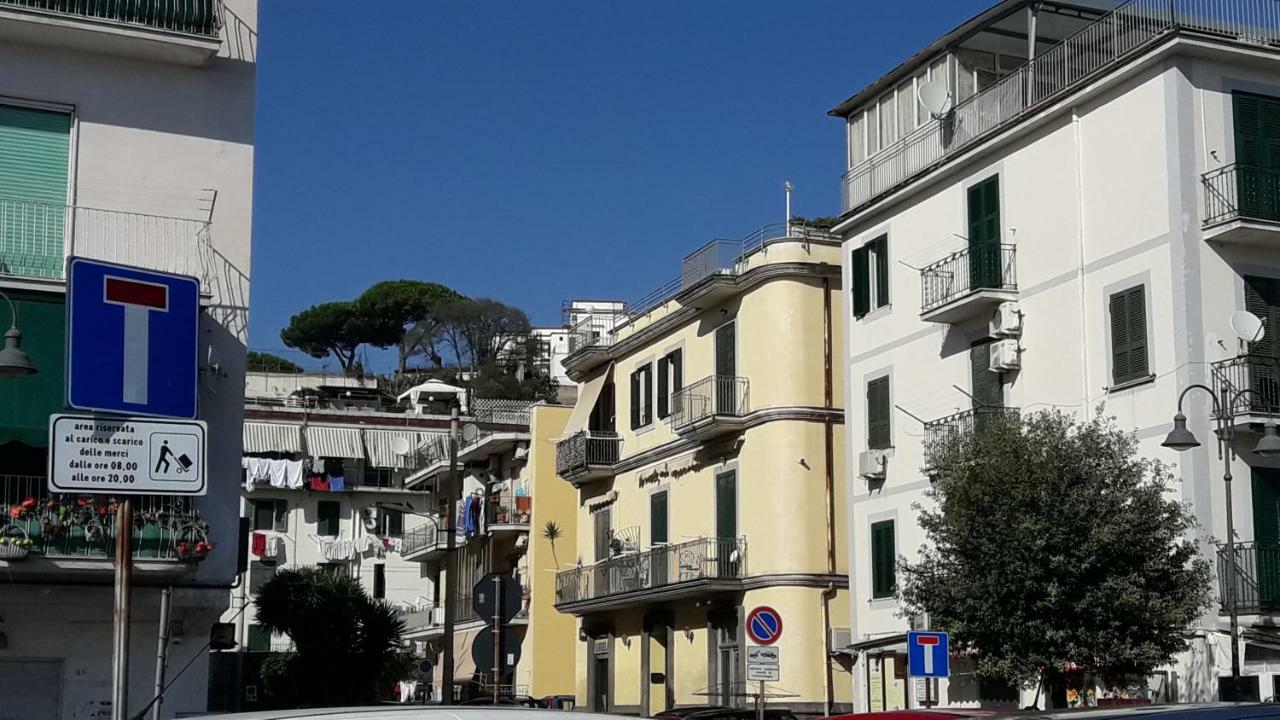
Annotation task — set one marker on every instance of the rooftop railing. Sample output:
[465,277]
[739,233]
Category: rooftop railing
[657,567]
[194,17]
[982,267]
[1116,37]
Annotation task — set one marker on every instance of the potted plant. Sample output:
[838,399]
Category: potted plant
[501,514]
[15,543]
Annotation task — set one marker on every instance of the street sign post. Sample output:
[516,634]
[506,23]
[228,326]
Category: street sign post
[928,657]
[764,663]
[132,340]
[764,625]
[126,456]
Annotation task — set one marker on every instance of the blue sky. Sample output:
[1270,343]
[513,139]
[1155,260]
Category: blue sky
[540,151]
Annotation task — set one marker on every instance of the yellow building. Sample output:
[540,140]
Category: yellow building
[707,457]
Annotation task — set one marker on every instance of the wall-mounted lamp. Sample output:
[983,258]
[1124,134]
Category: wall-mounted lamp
[13,361]
[626,640]
[688,633]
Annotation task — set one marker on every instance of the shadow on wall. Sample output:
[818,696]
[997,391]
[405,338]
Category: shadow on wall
[230,289]
[240,41]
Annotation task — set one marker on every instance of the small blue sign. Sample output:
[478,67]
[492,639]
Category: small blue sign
[928,654]
[764,625]
[132,340]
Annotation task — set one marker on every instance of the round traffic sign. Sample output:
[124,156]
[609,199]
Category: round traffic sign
[764,625]
[508,651]
[496,594]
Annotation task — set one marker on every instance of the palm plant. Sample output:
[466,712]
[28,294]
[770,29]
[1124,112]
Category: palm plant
[551,531]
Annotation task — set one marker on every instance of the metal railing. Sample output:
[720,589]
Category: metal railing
[717,395]
[1256,582]
[1118,36]
[980,267]
[582,450]
[194,17]
[938,432]
[36,238]
[661,566]
[508,508]
[592,331]
[429,536]
[1241,191]
[65,525]
[1258,373]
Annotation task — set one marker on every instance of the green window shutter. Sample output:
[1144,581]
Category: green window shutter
[646,393]
[677,370]
[878,414]
[861,282]
[1247,111]
[727,505]
[1262,298]
[327,523]
[883,559]
[27,402]
[984,234]
[603,520]
[35,147]
[1266,506]
[985,385]
[658,519]
[635,400]
[881,248]
[664,384]
[1128,335]
[259,639]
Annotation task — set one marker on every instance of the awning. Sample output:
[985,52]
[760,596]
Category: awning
[600,501]
[272,437]
[896,642]
[390,448]
[587,396]
[464,666]
[334,442]
[432,388]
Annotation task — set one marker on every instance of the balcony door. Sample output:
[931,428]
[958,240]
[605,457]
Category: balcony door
[726,368]
[1257,137]
[726,550]
[35,151]
[984,234]
[1262,298]
[987,390]
[603,534]
[1263,576]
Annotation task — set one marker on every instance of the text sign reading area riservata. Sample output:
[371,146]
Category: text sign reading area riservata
[122,456]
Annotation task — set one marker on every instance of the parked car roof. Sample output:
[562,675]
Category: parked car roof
[415,712]
[1205,711]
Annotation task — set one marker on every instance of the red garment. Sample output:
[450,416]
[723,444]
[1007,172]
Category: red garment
[258,544]
[319,482]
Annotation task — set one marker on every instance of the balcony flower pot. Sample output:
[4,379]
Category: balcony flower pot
[193,543]
[15,543]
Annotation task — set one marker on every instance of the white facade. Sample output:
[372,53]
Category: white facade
[1100,191]
[159,173]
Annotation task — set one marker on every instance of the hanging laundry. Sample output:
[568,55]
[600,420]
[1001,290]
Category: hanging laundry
[276,472]
[337,483]
[318,482]
[477,516]
[293,474]
[275,546]
[258,544]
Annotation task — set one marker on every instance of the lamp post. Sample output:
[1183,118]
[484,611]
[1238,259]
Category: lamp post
[1180,439]
[13,361]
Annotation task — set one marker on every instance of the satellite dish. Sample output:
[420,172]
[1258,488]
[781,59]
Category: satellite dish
[469,432]
[401,446]
[1247,326]
[935,97]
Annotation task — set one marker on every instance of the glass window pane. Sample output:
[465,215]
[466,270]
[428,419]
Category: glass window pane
[906,108]
[858,139]
[888,130]
[873,131]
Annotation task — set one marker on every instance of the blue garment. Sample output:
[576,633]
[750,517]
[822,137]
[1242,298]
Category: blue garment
[468,517]
[337,483]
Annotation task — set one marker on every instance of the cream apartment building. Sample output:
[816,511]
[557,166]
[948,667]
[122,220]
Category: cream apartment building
[707,453]
[1073,233]
[126,134]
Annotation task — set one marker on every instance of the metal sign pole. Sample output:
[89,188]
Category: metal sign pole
[760,703]
[497,635]
[162,651]
[120,613]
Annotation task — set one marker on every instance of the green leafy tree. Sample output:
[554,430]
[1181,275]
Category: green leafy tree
[482,332]
[338,328]
[348,648]
[1051,541]
[413,306]
[268,362]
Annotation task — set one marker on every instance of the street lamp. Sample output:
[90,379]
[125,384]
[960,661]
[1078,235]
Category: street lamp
[1180,438]
[13,361]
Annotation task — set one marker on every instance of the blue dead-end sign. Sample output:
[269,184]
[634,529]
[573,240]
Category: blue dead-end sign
[928,654]
[132,340]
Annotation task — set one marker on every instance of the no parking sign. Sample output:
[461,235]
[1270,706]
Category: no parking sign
[764,625]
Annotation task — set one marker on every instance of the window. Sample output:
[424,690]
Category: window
[658,519]
[327,514]
[883,560]
[871,276]
[379,581]
[669,380]
[382,477]
[906,108]
[727,505]
[35,151]
[259,639]
[888,129]
[259,574]
[390,522]
[857,139]
[878,414]
[985,387]
[269,515]
[1128,335]
[642,397]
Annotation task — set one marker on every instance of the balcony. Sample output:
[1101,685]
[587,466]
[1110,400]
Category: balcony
[432,458]
[1242,205]
[588,455]
[508,512]
[712,406]
[426,621]
[47,535]
[426,542]
[1256,579]
[938,432]
[37,238]
[968,284]
[185,32]
[667,572]
[1252,372]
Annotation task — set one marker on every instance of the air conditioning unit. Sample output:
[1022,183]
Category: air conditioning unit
[871,464]
[1005,356]
[841,638]
[1006,322]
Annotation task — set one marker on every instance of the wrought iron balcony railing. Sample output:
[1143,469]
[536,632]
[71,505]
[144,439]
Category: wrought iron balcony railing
[578,453]
[1256,581]
[1258,373]
[658,567]
[193,17]
[981,267]
[717,395]
[430,536]
[1241,192]
[937,432]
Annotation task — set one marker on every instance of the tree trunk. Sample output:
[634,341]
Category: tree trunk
[1055,689]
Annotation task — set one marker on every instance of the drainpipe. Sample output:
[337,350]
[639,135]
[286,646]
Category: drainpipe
[830,477]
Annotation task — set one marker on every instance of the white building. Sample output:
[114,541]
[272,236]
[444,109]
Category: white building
[1116,200]
[578,316]
[325,459]
[126,134]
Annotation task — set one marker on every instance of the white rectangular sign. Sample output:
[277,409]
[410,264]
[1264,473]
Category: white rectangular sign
[763,655]
[126,455]
[771,673]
